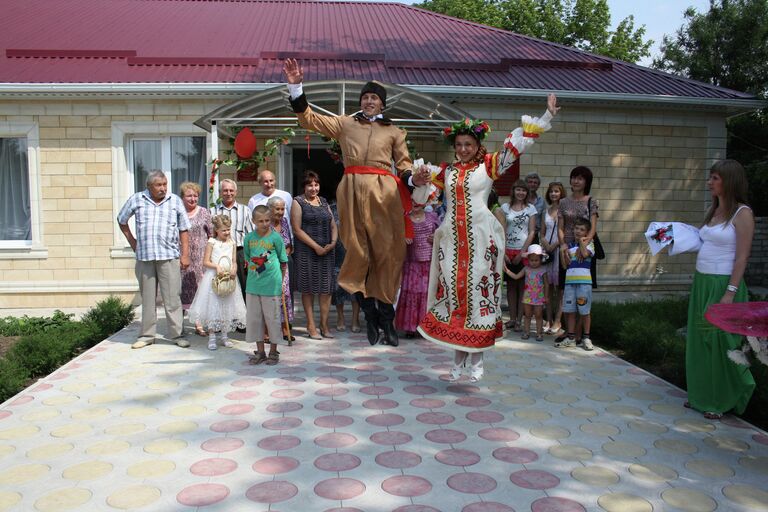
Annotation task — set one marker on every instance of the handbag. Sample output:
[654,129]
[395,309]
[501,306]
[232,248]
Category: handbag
[599,250]
[224,284]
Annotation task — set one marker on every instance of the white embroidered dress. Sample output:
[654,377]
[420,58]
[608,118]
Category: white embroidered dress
[464,297]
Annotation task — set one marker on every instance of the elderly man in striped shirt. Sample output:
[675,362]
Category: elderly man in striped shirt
[162,250]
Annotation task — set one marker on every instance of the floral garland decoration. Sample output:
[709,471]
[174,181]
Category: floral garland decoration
[475,127]
[215,165]
[663,234]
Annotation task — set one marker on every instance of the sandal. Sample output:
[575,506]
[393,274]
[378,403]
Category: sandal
[200,331]
[455,373]
[687,404]
[525,336]
[539,338]
[355,328]
[272,359]
[257,358]
[713,415]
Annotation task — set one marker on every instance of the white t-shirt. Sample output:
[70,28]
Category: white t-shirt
[517,224]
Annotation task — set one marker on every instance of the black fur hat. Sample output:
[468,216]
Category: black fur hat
[377,89]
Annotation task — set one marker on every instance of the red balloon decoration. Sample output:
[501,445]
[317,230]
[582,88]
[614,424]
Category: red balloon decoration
[245,143]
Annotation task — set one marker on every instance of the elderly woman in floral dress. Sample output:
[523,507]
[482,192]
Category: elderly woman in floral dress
[199,232]
[280,224]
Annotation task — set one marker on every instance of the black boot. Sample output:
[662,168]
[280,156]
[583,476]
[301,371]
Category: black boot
[386,320]
[368,306]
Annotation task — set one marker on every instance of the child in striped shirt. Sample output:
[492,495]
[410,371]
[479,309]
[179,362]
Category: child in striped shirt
[577,295]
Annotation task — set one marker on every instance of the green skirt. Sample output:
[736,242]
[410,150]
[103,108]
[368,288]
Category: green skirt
[715,383]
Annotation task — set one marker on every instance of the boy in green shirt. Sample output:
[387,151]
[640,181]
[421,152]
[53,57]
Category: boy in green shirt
[267,262]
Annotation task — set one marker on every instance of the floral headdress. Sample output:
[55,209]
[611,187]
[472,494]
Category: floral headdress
[474,127]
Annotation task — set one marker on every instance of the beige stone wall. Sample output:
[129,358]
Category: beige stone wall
[648,165]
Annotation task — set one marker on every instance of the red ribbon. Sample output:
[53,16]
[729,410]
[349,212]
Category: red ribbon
[405,194]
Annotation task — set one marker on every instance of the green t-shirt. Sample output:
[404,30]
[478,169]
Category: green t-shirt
[263,255]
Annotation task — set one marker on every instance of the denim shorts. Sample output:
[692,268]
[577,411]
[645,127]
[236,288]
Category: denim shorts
[577,297]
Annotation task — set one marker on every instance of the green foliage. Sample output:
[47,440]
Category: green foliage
[609,318]
[109,316]
[583,24]
[12,326]
[43,352]
[13,378]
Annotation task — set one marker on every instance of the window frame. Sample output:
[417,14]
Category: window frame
[123,135]
[34,248]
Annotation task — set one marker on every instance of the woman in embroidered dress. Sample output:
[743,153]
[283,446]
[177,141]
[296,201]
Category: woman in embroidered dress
[464,301]
[199,232]
[280,225]
[716,384]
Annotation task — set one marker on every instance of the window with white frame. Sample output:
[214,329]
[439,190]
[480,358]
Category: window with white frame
[184,156]
[15,199]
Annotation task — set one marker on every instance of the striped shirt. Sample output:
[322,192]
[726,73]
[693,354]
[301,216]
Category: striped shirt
[157,225]
[241,220]
[578,271]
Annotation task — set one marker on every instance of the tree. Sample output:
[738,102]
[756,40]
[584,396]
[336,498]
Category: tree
[728,47]
[583,24]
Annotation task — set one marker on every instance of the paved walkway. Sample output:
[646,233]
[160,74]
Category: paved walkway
[339,425]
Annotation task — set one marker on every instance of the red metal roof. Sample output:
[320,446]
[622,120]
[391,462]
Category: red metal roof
[243,41]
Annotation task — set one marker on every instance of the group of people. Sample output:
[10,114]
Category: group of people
[448,272]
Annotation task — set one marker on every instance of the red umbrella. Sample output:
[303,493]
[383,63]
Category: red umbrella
[746,318]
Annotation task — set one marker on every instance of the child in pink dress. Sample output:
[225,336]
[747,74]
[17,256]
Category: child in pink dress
[535,294]
[412,302]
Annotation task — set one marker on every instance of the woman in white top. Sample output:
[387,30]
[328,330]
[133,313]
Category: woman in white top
[716,384]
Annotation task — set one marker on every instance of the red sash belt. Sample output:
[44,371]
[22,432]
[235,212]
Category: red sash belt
[402,188]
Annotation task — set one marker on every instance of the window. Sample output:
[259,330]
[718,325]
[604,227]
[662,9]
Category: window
[15,207]
[184,156]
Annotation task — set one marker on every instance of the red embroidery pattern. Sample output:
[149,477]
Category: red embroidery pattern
[460,337]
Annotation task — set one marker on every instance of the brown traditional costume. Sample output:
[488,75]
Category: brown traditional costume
[372,203]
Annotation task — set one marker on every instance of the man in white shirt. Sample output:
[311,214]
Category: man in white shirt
[268,190]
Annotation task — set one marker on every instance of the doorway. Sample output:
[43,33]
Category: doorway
[320,161]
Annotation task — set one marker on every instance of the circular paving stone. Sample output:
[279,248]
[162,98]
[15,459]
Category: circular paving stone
[284,407]
[163,446]
[133,497]
[107,448]
[427,403]
[534,479]
[406,485]
[472,401]
[750,497]
[247,383]
[271,492]
[229,426]
[624,410]
[599,429]
[275,465]
[87,470]
[71,430]
[409,368]
[41,414]
[420,390]
[213,467]
[63,499]
[414,377]
[694,425]
[755,463]
[595,475]
[689,500]
[332,405]
[532,415]
[243,394]
[343,509]
[340,488]
[373,378]
[445,436]
[760,438]
[726,443]
[668,409]
[398,459]
[289,381]
[380,404]
[485,417]
[623,449]
[647,427]
[457,457]
[435,418]
[561,398]
[286,393]
[515,455]
[22,474]
[471,483]
[487,506]
[222,444]
[653,472]
[8,499]
[549,432]
[178,427]
[376,390]
[335,440]
[385,419]
[49,451]
[336,379]
[639,394]
[570,452]
[234,409]
[333,421]
[461,389]
[90,414]
[391,438]
[622,502]
[500,434]
[521,399]
[578,412]
[675,446]
[279,443]
[331,392]
[150,469]
[284,423]
[710,469]
[337,462]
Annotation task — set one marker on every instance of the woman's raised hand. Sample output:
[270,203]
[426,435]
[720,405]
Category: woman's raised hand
[552,104]
[293,71]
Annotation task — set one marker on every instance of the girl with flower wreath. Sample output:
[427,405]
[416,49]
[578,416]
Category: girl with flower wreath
[464,297]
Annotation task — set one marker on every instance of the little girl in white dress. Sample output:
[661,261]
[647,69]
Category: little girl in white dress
[219,315]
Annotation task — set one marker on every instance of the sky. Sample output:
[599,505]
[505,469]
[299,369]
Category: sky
[659,17]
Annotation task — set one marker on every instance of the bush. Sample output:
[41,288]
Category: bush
[14,378]
[43,352]
[12,326]
[109,316]
[608,318]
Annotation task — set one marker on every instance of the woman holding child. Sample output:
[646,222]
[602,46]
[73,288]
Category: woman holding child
[464,301]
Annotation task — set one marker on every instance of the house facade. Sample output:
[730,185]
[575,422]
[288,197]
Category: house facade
[117,88]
